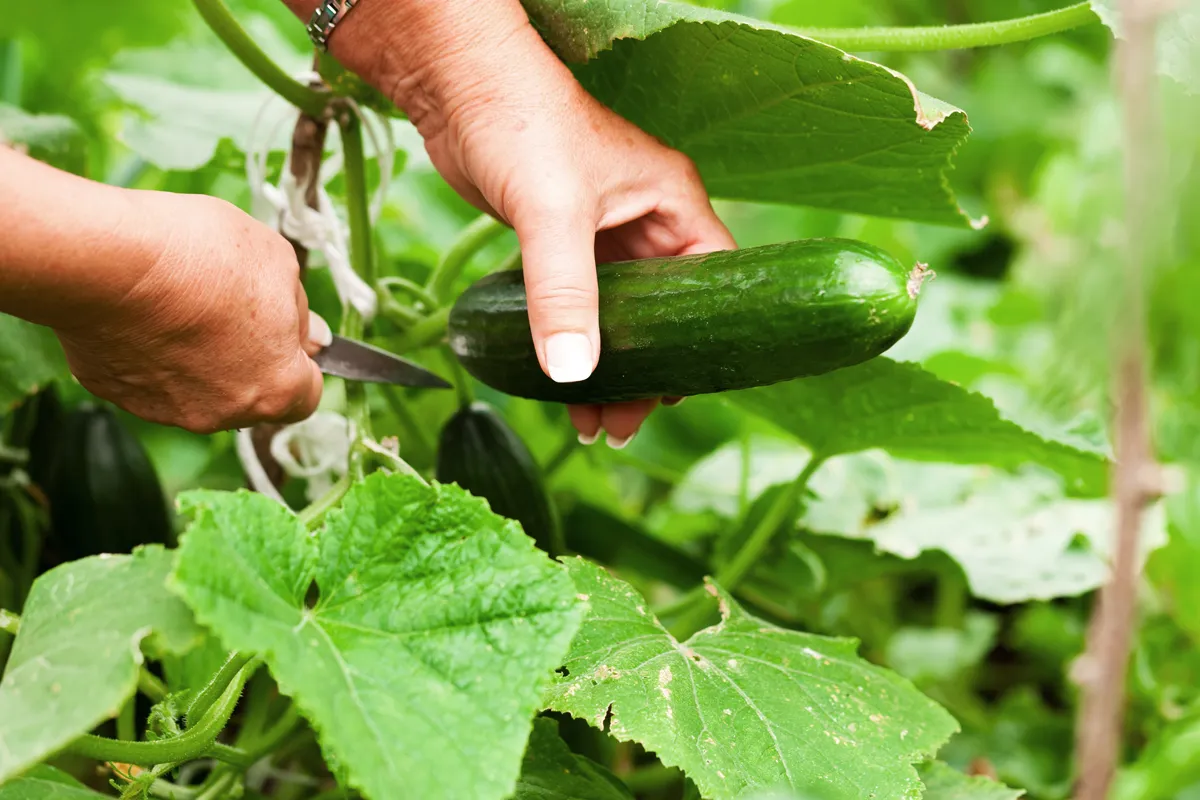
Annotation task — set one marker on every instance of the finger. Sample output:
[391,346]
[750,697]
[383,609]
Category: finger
[315,333]
[586,420]
[304,385]
[558,253]
[621,421]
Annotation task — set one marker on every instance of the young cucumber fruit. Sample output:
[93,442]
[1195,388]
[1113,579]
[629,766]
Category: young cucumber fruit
[691,325]
[482,454]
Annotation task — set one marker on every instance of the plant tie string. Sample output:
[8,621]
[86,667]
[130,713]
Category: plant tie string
[284,206]
[316,450]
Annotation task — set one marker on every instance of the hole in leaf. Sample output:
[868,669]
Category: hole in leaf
[607,718]
[563,671]
[312,595]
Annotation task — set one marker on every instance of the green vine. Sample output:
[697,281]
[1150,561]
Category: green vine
[470,241]
[954,37]
[198,741]
[693,612]
[234,36]
[359,218]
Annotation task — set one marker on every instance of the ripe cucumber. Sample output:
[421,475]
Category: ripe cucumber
[482,454]
[691,325]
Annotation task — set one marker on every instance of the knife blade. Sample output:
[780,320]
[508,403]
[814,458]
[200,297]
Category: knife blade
[359,361]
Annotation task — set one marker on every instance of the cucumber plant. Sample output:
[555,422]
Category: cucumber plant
[446,621]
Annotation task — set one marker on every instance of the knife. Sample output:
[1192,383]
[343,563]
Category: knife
[358,361]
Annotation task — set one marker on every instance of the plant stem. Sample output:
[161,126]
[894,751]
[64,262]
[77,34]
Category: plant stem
[196,742]
[1104,666]
[357,200]
[693,613]
[274,735]
[412,429]
[150,685]
[470,241]
[426,332]
[313,514]
[413,289]
[783,509]
[562,455]
[219,18]
[216,686]
[126,726]
[9,622]
[359,217]
[954,37]
[462,381]
[511,262]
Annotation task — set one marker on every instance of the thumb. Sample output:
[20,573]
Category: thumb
[559,261]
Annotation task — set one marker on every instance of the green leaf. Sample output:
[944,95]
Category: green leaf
[552,772]
[437,625]
[943,782]
[907,411]
[181,113]
[30,357]
[52,138]
[1178,39]
[744,705]
[46,783]
[1016,537]
[939,654]
[75,661]
[766,114]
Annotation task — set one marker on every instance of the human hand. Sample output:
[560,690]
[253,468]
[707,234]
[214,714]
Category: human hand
[580,185]
[508,126]
[212,333]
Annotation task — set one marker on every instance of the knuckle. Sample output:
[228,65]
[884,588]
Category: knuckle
[559,293]
[274,403]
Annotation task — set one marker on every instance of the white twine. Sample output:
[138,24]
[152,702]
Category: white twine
[285,209]
[317,449]
[322,443]
[255,473]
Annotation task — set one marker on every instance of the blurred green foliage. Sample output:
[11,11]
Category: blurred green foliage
[1022,312]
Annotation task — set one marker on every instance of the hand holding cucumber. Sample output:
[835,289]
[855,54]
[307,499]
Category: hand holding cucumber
[508,126]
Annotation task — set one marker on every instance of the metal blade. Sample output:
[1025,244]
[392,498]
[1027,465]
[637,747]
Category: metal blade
[358,361]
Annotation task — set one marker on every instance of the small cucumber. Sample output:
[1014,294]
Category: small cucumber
[691,325]
[482,454]
[105,496]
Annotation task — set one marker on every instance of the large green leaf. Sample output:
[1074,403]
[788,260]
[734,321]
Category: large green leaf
[181,114]
[744,705]
[438,623]
[1178,39]
[46,783]
[1016,537]
[943,782]
[30,357]
[909,412]
[766,114]
[75,660]
[552,772]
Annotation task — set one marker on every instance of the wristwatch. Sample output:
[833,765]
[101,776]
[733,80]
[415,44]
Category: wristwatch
[325,19]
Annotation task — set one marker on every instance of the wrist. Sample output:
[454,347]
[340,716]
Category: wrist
[433,58]
[76,245]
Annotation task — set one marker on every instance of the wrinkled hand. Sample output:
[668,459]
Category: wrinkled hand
[213,334]
[509,127]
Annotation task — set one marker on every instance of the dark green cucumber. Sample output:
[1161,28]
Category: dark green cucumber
[692,325]
[105,496]
[482,454]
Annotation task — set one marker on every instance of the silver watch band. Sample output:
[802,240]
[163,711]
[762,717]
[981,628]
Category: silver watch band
[325,19]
